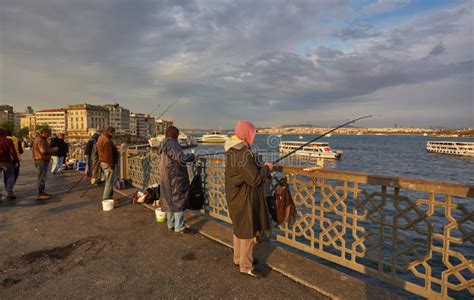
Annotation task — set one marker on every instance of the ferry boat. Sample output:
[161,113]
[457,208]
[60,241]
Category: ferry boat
[214,137]
[184,140]
[448,147]
[313,150]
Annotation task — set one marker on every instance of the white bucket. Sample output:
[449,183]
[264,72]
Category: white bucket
[108,205]
[160,216]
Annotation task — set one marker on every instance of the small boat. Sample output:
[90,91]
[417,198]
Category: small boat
[156,141]
[453,148]
[425,134]
[300,137]
[313,150]
[278,135]
[186,141]
[214,137]
[329,135]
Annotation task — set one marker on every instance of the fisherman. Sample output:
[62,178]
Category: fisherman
[42,155]
[108,158]
[244,184]
[174,180]
[92,161]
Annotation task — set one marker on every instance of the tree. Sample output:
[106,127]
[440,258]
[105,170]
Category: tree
[24,132]
[8,125]
[40,127]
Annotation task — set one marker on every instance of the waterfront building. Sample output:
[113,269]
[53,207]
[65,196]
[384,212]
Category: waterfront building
[29,110]
[139,125]
[53,118]
[162,124]
[28,121]
[6,113]
[84,119]
[119,118]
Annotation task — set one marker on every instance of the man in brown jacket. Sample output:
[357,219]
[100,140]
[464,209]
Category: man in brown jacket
[108,158]
[42,155]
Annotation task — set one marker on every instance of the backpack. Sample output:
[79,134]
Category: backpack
[196,192]
[281,206]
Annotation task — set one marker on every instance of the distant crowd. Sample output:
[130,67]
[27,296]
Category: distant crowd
[50,153]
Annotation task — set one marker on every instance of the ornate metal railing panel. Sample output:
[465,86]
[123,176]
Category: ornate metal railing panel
[143,169]
[417,235]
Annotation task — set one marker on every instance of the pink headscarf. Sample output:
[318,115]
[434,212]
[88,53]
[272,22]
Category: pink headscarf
[245,131]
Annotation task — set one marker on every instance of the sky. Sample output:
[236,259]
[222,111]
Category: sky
[273,62]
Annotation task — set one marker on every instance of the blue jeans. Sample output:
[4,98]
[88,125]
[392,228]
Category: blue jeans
[109,175]
[8,175]
[175,220]
[42,169]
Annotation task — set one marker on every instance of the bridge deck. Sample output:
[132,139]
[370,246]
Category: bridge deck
[69,247]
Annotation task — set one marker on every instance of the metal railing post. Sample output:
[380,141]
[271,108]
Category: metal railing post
[124,161]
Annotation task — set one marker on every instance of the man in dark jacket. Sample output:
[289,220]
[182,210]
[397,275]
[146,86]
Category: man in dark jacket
[58,156]
[88,153]
[174,180]
[109,158]
[244,182]
[42,155]
[8,161]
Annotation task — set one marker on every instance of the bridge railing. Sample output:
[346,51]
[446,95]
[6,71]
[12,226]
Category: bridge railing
[415,234]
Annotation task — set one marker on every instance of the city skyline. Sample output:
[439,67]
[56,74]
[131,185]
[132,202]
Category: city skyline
[275,63]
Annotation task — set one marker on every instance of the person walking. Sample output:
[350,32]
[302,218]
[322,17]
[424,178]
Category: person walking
[8,161]
[19,152]
[42,155]
[174,180]
[58,156]
[244,184]
[108,158]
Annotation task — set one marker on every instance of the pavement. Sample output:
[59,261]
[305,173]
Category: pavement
[67,247]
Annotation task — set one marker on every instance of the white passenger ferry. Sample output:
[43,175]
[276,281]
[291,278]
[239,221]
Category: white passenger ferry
[214,137]
[313,150]
[454,148]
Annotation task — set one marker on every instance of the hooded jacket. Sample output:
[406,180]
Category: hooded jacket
[244,189]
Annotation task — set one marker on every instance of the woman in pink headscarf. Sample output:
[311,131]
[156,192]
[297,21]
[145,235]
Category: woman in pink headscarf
[244,181]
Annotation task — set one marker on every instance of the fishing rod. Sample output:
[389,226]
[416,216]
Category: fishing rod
[222,153]
[317,138]
[167,108]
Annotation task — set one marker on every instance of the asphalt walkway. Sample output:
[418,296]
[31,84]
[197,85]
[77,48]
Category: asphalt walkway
[68,247]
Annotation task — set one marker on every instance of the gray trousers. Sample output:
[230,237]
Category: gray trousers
[42,170]
[110,176]
[7,169]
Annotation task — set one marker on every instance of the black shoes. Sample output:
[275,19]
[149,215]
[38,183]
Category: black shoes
[254,273]
[11,197]
[184,232]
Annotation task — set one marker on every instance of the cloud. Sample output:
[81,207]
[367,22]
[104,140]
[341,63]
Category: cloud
[383,6]
[228,59]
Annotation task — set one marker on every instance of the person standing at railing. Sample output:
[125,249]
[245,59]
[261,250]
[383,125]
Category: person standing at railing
[58,156]
[244,184]
[109,158]
[42,155]
[91,157]
[174,180]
